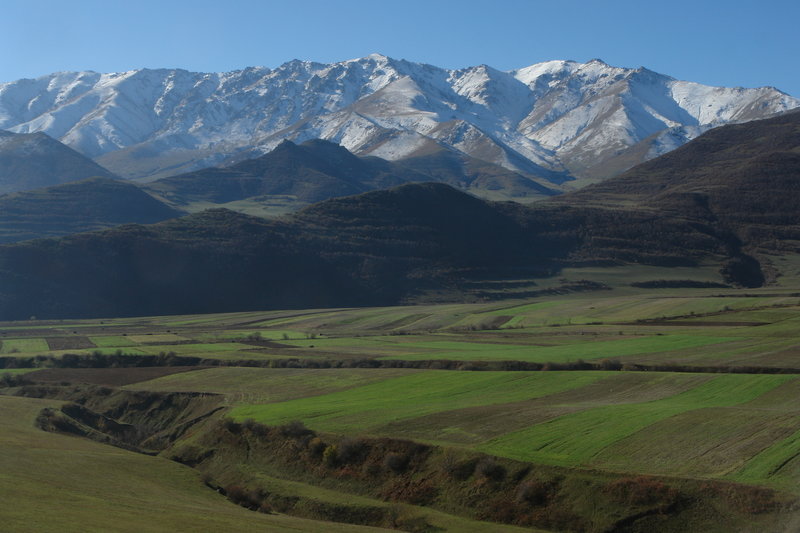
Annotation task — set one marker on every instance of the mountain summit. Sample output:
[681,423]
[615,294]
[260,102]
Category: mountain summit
[556,120]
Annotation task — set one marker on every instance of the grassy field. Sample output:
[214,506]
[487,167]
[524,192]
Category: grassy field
[11,346]
[57,483]
[718,426]
[741,427]
[694,327]
[563,440]
[113,341]
[372,405]
[244,385]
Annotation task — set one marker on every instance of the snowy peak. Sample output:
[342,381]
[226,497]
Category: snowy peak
[550,119]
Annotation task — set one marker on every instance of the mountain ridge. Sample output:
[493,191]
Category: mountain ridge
[317,170]
[555,120]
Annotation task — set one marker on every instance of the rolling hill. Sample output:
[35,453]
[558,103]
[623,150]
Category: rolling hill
[684,209]
[86,205]
[317,170]
[31,161]
[377,248]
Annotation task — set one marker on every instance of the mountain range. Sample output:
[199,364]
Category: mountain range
[284,180]
[727,199]
[556,121]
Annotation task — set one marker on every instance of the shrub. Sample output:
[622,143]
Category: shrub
[330,457]
[232,426]
[456,469]
[534,492]
[396,462]
[252,499]
[641,490]
[488,468]
[351,450]
[256,429]
[751,500]
[11,380]
[295,429]
[316,446]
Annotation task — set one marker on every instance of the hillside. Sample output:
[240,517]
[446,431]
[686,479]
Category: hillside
[317,170]
[31,161]
[313,171]
[480,178]
[86,205]
[741,179]
[626,411]
[369,249]
[721,202]
[376,248]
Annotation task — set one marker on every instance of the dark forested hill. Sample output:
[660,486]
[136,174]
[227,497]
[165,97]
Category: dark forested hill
[370,249]
[376,248]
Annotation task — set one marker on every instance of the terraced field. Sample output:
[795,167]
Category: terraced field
[373,372]
[701,328]
[717,426]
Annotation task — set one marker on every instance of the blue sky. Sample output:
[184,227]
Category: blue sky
[731,43]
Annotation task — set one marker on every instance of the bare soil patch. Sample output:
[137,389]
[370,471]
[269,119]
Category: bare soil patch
[70,343]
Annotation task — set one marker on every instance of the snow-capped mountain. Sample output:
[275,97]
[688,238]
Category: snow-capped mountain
[554,120]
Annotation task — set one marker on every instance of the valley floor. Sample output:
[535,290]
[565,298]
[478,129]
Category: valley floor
[682,386]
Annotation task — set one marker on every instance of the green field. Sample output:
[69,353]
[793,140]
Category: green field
[563,440]
[368,406]
[693,384]
[611,420]
[267,384]
[11,346]
[56,483]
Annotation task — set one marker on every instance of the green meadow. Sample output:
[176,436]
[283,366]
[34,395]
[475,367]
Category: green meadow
[362,408]
[11,346]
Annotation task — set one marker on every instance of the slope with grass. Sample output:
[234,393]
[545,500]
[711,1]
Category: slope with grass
[59,483]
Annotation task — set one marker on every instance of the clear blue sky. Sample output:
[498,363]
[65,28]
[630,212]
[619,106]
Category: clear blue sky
[733,43]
